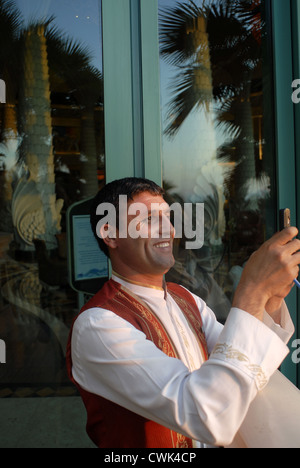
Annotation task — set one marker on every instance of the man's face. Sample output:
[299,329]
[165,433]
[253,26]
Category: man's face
[147,249]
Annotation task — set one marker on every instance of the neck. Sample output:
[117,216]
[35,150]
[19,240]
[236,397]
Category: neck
[150,281]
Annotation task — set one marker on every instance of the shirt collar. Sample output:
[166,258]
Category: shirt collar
[140,289]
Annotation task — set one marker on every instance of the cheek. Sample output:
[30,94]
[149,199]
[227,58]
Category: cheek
[126,247]
[131,250]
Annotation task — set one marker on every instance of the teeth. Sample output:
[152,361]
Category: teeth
[162,245]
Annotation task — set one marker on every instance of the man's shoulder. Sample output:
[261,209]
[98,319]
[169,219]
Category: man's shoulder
[102,297]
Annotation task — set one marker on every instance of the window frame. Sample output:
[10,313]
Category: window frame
[131,89]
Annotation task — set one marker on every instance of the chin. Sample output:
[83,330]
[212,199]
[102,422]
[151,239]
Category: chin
[168,266]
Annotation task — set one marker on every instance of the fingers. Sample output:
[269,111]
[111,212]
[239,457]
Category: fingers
[293,247]
[285,241]
[286,238]
[286,235]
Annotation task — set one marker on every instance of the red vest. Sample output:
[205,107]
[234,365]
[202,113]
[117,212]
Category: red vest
[108,424]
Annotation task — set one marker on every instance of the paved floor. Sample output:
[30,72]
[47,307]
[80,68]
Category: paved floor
[54,422]
[39,407]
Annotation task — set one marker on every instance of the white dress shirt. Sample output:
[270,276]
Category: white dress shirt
[206,401]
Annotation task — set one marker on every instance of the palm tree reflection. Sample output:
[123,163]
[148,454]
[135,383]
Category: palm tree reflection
[216,51]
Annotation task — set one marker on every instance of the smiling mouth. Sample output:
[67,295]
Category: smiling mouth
[163,245]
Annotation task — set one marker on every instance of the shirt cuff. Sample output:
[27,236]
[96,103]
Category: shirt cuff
[286,329]
[250,345]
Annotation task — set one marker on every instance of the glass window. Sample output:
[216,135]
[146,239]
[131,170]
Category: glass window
[217,136]
[51,156]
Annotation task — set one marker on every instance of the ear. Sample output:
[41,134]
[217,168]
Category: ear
[108,235]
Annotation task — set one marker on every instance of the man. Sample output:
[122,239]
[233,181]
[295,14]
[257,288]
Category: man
[153,366]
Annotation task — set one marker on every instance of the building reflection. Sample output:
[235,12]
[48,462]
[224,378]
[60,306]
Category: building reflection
[51,156]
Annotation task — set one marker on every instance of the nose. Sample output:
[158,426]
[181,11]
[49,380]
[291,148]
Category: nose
[166,228]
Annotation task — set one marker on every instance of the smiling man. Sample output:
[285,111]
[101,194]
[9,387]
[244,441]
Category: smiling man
[153,366]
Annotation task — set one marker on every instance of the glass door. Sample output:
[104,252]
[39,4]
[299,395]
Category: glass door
[51,156]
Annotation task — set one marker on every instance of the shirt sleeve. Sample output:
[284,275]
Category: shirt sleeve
[113,359]
[213,328]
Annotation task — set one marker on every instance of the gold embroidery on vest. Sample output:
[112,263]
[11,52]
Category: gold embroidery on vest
[166,345]
[181,441]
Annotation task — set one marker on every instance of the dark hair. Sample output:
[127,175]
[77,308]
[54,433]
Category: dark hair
[110,193]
